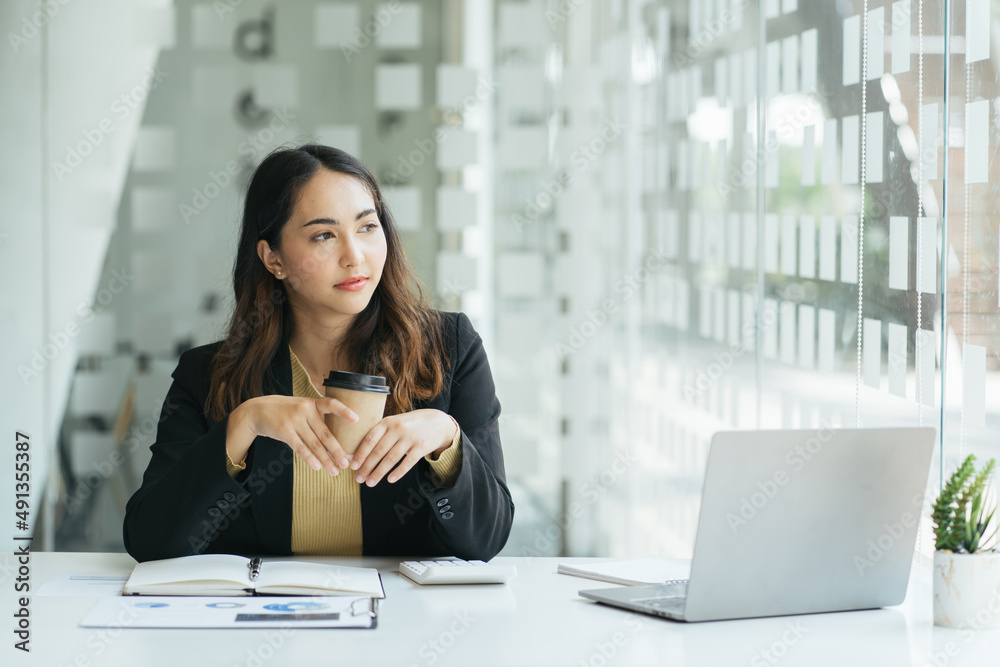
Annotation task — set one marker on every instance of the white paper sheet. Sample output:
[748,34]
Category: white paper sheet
[403,31]
[790,65]
[789,244]
[826,339]
[977,30]
[405,202]
[275,86]
[773,71]
[719,318]
[852,50]
[828,173]
[81,584]
[770,243]
[926,343]
[974,385]
[146,611]
[809,60]
[897,359]
[733,246]
[749,321]
[704,311]
[721,80]
[770,331]
[807,246]
[977,141]
[398,87]
[927,253]
[849,249]
[749,241]
[871,353]
[735,79]
[334,24]
[695,231]
[788,338]
[153,208]
[899,252]
[849,165]
[900,36]
[928,141]
[876,43]
[809,155]
[733,317]
[874,148]
[807,336]
[651,570]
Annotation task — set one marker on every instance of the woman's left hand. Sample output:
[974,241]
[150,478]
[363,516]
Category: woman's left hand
[402,439]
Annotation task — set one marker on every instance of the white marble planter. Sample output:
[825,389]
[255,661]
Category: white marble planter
[967,590]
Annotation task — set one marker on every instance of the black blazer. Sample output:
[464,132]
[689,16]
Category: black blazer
[188,503]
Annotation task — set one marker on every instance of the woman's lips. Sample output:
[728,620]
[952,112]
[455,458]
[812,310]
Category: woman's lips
[353,285]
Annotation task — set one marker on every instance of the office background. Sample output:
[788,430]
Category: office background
[665,218]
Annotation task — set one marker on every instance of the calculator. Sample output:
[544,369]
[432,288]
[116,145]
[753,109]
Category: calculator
[455,571]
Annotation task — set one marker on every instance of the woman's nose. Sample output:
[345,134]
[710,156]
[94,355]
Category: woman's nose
[352,254]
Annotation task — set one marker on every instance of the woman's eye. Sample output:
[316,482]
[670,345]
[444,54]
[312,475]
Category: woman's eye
[319,237]
[372,225]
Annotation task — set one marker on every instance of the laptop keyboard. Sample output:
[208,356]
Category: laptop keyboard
[671,600]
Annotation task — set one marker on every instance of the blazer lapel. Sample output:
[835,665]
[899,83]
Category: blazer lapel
[270,481]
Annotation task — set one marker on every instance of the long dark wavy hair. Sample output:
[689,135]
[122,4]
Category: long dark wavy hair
[396,335]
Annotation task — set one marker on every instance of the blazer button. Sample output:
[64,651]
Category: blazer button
[442,502]
[214,511]
[229,495]
[447,515]
[222,504]
[445,509]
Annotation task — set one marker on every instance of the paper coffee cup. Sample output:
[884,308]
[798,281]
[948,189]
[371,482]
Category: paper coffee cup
[365,394]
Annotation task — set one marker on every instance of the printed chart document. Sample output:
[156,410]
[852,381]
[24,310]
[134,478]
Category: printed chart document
[652,570]
[228,612]
[224,574]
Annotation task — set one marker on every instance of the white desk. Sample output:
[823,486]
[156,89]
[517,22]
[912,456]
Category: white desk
[538,619]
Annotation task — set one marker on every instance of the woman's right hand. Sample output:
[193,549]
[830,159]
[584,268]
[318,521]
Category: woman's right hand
[299,423]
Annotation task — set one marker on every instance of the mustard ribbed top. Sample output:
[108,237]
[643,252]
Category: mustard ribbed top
[326,510]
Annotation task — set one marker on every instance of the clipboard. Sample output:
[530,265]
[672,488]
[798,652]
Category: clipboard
[265,611]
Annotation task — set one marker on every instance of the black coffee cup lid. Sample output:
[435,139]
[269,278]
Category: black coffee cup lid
[357,381]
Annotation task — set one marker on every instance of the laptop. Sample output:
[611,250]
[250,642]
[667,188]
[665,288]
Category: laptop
[798,522]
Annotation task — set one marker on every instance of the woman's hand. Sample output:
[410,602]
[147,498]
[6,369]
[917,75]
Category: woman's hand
[402,439]
[298,422]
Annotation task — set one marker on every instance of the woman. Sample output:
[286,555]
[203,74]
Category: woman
[243,461]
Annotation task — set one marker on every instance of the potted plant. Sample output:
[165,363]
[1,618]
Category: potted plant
[966,571]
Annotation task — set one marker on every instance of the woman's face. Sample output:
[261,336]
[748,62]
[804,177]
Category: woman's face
[333,247]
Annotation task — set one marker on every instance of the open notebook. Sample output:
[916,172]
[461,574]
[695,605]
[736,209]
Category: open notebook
[223,574]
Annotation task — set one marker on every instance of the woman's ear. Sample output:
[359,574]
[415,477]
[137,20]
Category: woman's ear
[270,258]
